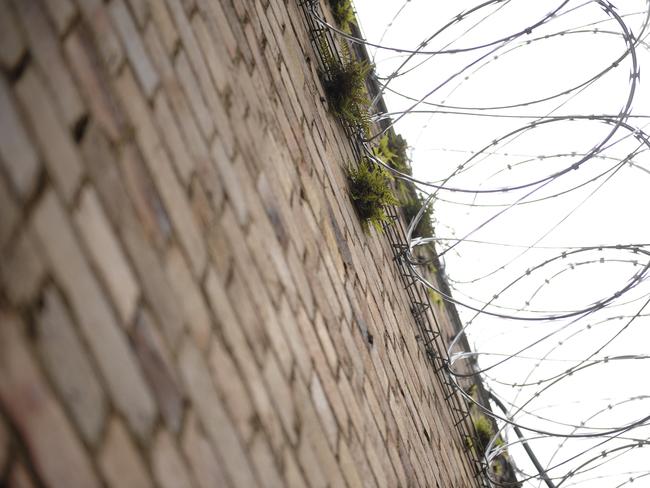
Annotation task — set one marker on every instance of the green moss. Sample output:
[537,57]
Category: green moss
[345,85]
[435,297]
[370,191]
[484,433]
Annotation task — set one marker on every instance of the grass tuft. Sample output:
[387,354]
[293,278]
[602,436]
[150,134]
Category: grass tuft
[370,191]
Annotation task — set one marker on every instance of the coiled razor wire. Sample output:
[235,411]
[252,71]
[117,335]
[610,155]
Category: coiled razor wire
[554,296]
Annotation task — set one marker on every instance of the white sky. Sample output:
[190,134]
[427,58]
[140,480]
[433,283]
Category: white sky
[611,210]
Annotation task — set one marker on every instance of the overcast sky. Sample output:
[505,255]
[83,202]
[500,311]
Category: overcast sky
[608,207]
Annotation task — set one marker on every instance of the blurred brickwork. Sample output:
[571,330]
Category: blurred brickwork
[187,297]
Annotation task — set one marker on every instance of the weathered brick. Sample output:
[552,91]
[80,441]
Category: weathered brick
[158,368]
[349,467]
[230,383]
[195,57]
[17,154]
[105,337]
[67,363]
[218,24]
[45,48]
[141,10]
[189,296]
[135,50]
[279,386]
[324,410]
[210,410]
[19,477]
[22,269]
[84,56]
[310,464]
[177,99]
[163,21]
[263,460]
[9,215]
[169,469]
[312,429]
[150,210]
[5,445]
[214,53]
[55,451]
[62,13]
[207,469]
[193,93]
[172,136]
[106,253]
[61,157]
[161,170]
[289,323]
[326,343]
[107,40]
[120,462]
[231,181]
[292,474]
[12,44]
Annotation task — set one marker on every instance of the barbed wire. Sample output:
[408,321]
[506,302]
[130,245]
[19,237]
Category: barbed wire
[554,313]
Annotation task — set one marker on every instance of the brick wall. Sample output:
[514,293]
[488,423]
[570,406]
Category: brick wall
[187,298]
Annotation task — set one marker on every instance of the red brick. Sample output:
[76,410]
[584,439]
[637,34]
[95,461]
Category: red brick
[56,453]
[120,462]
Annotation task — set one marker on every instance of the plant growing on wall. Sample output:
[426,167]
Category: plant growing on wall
[345,85]
[411,207]
[370,191]
[343,14]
